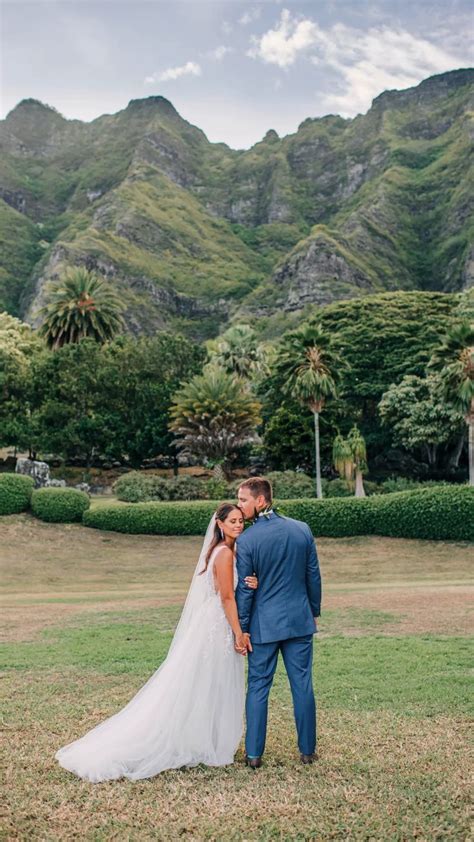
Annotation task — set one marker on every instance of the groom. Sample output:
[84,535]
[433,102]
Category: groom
[280,616]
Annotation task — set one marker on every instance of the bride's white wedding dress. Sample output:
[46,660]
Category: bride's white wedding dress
[189,711]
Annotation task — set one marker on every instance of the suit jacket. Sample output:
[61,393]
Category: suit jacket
[281,552]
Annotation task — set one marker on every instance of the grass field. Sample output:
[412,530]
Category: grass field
[87,616]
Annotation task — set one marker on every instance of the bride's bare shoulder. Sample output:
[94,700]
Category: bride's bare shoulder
[223,554]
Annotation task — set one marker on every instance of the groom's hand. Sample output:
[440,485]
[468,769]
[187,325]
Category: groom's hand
[242,643]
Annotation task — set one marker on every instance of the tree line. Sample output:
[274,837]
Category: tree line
[360,383]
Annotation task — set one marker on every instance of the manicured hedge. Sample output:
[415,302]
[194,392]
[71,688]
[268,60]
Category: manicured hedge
[153,518]
[59,505]
[443,513]
[435,513]
[15,493]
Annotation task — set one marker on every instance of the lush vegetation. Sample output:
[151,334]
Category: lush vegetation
[136,402]
[383,339]
[85,400]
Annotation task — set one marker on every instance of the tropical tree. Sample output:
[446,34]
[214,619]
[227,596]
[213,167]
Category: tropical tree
[80,304]
[309,369]
[342,457]
[214,415]
[110,401]
[19,346]
[454,360]
[421,421]
[358,450]
[238,352]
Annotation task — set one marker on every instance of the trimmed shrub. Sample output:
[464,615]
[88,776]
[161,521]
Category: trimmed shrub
[133,487]
[186,488]
[59,505]
[371,487]
[153,518]
[395,484]
[219,489]
[15,493]
[336,518]
[338,488]
[156,488]
[437,514]
[290,485]
[137,488]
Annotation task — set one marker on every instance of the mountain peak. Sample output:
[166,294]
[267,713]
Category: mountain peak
[429,89]
[157,101]
[36,108]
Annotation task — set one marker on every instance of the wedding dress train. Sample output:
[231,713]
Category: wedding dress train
[189,711]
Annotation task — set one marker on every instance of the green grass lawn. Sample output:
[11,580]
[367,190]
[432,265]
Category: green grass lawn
[87,616]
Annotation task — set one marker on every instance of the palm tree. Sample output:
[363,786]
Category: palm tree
[358,450]
[454,360]
[80,304]
[309,370]
[214,415]
[237,351]
[342,457]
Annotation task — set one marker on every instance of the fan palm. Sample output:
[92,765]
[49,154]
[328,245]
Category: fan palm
[80,304]
[454,360]
[214,415]
[310,370]
[237,351]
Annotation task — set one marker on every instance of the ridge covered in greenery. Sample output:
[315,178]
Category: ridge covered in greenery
[193,234]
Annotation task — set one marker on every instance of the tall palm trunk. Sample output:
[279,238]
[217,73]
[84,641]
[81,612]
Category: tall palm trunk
[319,490]
[470,421]
[359,486]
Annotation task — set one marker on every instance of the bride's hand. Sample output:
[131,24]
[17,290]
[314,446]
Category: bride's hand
[251,582]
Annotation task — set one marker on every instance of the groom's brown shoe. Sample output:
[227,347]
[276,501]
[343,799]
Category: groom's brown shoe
[306,759]
[253,762]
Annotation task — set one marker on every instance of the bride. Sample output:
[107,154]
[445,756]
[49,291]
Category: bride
[190,710]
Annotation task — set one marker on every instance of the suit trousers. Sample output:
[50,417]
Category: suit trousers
[297,655]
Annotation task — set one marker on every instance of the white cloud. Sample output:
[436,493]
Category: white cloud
[188,69]
[219,53]
[226,27]
[250,16]
[283,45]
[377,60]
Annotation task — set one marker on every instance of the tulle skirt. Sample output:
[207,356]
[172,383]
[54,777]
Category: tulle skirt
[190,710]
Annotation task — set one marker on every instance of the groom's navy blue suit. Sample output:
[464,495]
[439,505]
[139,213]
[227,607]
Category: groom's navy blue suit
[279,616]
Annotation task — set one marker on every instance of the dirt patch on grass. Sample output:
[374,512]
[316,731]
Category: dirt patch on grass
[53,573]
[26,623]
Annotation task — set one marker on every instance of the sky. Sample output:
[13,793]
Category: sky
[235,69]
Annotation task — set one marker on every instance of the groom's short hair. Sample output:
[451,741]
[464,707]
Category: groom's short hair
[258,486]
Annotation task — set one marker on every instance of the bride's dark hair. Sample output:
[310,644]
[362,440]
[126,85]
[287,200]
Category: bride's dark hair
[221,513]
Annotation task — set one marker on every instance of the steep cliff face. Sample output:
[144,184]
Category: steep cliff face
[193,232]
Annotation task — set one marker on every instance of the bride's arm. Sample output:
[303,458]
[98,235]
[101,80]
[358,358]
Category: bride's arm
[224,567]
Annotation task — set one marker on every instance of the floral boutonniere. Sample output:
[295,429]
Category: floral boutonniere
[269,510]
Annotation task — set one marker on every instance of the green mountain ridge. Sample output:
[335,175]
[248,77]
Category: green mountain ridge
[194,233]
